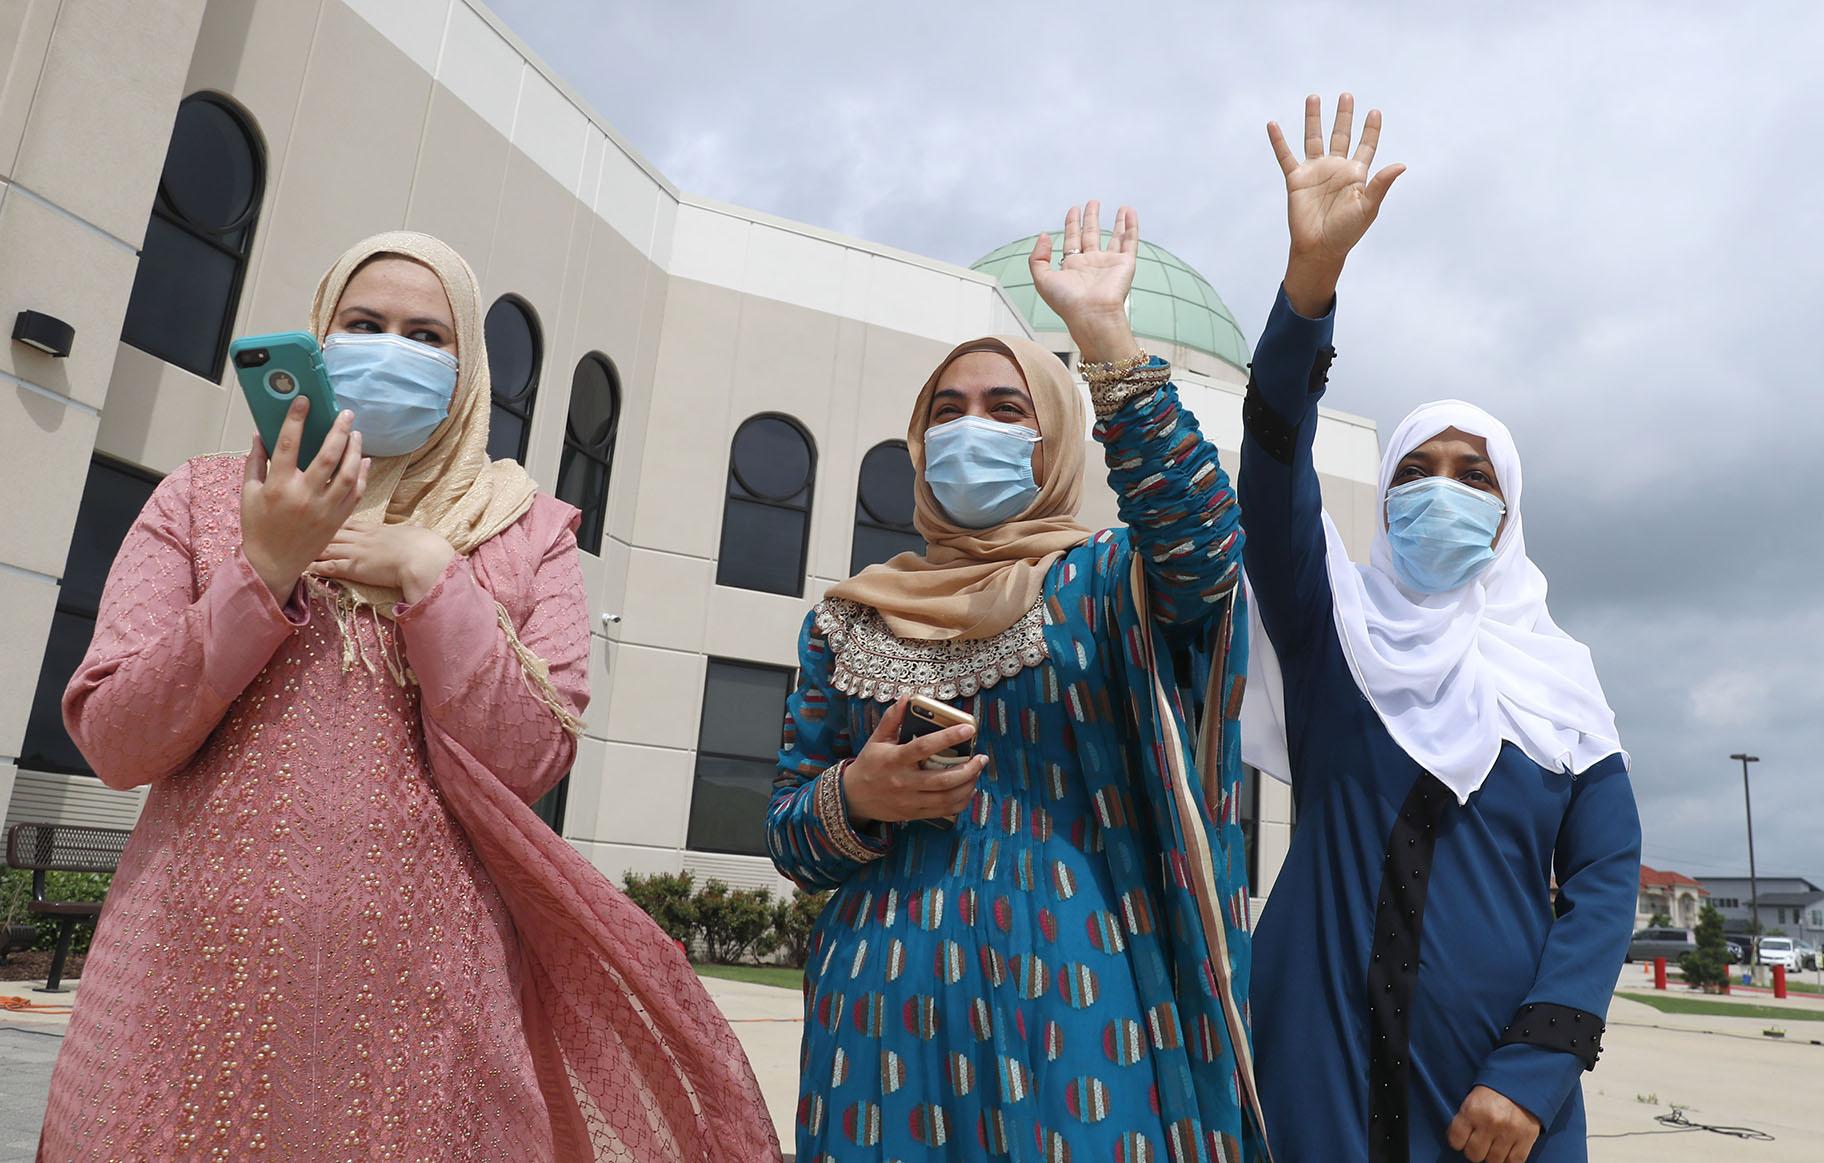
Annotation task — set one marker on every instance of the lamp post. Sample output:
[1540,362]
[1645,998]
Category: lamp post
[1754,896]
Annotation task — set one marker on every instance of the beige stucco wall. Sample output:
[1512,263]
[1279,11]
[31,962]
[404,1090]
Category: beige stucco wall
[85,108]
[378,114]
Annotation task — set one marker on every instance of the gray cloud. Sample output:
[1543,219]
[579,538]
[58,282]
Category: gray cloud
[1609,235]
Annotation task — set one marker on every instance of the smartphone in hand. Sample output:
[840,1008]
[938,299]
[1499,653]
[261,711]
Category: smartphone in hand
[275,370]
[927,716]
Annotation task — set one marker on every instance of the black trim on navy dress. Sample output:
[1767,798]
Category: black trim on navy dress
[1393,967]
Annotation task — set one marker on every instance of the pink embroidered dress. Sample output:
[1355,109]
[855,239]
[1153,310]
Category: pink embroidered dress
[338,931]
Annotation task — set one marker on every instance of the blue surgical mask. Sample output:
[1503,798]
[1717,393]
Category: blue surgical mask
[980,470]
[1441,532]
[398,389]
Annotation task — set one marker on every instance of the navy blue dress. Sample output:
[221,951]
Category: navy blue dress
[1412,948]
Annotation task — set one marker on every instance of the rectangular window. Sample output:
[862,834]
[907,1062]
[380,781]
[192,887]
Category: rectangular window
[112,499]
[737,755]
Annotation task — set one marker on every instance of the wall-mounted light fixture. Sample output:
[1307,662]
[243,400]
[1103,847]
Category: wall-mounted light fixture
[47,333]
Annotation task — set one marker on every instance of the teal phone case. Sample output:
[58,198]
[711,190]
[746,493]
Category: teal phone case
[276,369]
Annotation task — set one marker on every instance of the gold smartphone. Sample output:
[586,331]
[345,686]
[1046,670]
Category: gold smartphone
[927,716]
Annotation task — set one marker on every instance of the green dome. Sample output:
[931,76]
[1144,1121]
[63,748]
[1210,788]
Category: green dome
[1169,302]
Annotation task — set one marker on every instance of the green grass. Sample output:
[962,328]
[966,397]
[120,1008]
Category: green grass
[1723,1009]
[758,974]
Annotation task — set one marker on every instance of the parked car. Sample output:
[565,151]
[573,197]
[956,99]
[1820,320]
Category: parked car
[1671,944]
[1779,951]
[1738,949]
[1808,954]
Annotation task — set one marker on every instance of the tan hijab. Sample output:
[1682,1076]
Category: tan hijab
[448,486]
[975,583]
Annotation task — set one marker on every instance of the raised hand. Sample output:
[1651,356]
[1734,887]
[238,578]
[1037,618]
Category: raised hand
[1330,199]
[289,514]
[1088,289]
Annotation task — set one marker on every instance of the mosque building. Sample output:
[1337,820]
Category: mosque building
[722,393]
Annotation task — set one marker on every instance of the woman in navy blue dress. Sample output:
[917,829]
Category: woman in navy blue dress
[1419,991]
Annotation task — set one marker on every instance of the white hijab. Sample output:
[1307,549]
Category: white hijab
[1451,675]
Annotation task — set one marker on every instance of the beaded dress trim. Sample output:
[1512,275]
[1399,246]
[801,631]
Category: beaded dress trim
[869,662]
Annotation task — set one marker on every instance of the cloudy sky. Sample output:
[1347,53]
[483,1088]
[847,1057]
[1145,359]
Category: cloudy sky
[1610,235]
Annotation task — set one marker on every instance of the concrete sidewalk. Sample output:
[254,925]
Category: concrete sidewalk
[770,1023]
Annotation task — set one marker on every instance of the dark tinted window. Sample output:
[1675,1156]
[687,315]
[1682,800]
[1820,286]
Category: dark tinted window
[766,522]
[883,507]
[589,435]
[111,500]
[515,351]
[737,756]
[195,253]
[550,806]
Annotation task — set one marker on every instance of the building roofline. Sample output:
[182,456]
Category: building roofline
[571,95]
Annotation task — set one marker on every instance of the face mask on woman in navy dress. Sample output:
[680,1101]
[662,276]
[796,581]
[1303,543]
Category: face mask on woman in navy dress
[1444,513]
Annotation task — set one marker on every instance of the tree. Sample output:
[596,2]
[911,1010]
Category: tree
[1708,964]
[1659,921]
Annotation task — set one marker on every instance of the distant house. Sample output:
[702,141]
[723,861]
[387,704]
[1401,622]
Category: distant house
[1672,894]
[1790,904]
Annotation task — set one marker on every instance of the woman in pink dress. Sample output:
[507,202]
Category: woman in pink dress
[339,932]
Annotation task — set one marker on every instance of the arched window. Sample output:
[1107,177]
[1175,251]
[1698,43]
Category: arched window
[766,523]
[883,507]
[515,350]
[195,254]
[595,414]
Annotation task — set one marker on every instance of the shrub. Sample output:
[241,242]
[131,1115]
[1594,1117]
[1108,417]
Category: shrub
[1708,965]
[667,899]
[732,922]
[793,921]
[16,893]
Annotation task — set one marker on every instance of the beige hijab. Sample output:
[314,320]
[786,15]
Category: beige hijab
[975,583]
[448,486]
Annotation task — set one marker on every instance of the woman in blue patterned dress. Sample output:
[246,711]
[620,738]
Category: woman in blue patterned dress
[1042,954]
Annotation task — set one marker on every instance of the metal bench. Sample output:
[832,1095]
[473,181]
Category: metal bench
[43,848]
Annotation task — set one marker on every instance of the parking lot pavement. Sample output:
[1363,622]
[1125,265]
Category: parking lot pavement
[1717,1069]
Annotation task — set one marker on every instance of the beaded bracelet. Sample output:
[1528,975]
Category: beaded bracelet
[833,814]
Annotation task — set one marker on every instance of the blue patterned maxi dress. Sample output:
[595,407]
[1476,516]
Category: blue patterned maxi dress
[1035,984]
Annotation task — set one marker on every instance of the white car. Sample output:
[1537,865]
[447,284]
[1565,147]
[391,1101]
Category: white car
[1779,951]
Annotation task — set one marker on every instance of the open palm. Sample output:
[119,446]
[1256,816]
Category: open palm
[1090,281]
[1330,198]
